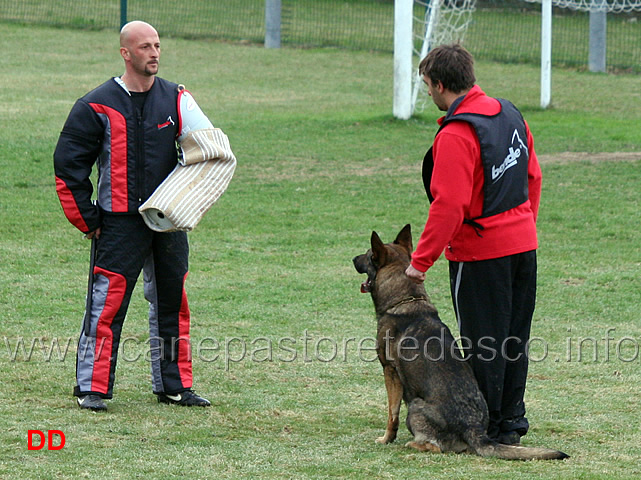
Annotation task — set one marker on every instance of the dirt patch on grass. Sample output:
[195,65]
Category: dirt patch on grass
[295,168]
[568,157]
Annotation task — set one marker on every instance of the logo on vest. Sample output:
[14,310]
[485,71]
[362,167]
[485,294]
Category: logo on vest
[512,157]
[166,124]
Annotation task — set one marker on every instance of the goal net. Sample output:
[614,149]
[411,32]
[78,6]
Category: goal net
[610,6]
[420,25]
[435,22]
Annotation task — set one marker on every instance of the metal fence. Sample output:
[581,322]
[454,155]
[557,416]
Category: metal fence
[501,30]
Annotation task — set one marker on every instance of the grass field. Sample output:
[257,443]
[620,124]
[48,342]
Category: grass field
[281,335]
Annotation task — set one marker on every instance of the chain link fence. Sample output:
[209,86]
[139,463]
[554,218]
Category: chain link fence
[501,30]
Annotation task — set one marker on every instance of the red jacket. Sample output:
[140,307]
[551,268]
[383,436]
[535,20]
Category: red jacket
[457,187]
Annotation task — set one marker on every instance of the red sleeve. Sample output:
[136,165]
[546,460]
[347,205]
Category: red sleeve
[452,187]
[78,147]
[534,176]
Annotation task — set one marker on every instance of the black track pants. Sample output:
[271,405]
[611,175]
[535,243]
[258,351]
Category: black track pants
[494,303]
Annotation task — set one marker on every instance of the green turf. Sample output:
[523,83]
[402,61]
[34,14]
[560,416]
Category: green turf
[281,335]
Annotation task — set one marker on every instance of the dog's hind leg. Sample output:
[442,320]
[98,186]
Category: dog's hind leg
[394,389]
[424,422]
[424,446]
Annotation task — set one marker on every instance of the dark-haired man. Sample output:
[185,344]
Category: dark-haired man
[483,179]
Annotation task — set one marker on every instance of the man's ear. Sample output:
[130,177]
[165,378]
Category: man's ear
[379,253]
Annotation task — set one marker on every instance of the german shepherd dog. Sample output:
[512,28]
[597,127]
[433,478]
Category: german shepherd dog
[422,363]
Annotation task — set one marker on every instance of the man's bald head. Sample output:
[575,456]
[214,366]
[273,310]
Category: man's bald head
[140,49]
[133,30]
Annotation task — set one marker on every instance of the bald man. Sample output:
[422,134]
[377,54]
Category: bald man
[128,126]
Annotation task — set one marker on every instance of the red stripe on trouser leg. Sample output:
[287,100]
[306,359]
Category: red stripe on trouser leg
[104,334]
[184,344]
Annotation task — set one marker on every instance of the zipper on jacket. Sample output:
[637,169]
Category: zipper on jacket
[140,158]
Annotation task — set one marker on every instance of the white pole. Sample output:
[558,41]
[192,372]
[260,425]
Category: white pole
[546,53]
[403,13]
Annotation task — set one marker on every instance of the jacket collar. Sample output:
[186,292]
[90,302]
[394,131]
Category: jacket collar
[462,103]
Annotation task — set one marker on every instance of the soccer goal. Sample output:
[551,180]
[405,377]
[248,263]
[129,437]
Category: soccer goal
[420,25]
[598,10]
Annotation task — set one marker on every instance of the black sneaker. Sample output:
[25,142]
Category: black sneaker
[92,402]
[186,399]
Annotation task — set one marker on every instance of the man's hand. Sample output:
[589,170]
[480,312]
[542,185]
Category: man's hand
[414,275]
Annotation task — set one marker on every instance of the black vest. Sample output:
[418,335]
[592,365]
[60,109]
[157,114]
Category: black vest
[504,154]
[139,147]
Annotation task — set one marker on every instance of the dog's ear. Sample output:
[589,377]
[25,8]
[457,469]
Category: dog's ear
[379,253]
[404,238]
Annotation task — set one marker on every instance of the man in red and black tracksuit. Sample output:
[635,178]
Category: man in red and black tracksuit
[483,179]
[129,126]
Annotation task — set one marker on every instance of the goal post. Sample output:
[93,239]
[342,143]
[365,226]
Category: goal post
[403,50]
[418,26]
[546,53]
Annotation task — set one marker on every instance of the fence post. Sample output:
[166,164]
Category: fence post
[123,13]
[598,40]
[272,23]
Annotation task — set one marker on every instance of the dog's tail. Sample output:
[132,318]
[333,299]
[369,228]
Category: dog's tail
[488,448]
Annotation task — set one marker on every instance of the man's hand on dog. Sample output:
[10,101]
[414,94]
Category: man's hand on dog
[414,275]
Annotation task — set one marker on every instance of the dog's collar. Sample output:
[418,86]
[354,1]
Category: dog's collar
[408,300]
